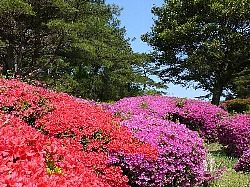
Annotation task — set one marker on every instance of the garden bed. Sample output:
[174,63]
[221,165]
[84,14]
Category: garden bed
[51,139]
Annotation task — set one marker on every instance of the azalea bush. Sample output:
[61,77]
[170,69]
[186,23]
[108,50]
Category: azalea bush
[29,157]
[236,105]
[243,163]
[234,134]
[51,139]
[197,115]
[28,102]
[182,155]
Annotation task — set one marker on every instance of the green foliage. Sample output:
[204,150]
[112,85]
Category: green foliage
[181,102]
[201,42]
[145,70]
[241,84]
[24,104]
[239,106]
[230,177]
[15,6]
[51,168]
[74,46]
[144,105]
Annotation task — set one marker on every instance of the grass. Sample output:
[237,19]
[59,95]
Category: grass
[230,177]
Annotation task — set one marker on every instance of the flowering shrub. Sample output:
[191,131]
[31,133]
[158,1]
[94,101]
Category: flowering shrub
[197,115]
[236,105]
[28,157]
[69,145]
[181,156]
[53,139]
[243,163]
[90,125]
[24,100]
[234,134]
[202,116]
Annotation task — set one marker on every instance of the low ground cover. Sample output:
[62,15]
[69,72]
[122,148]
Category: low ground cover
[219,158]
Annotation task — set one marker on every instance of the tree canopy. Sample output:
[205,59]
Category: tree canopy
[73,46]
[206,42]
[241,84]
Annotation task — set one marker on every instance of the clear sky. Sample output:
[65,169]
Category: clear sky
[137,18]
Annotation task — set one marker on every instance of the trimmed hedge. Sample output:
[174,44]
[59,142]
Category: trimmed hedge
[239,106]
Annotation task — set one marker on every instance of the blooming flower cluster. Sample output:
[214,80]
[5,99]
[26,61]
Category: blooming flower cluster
[203,117]
[23,100]
[212,123]
[181,151]
[29,158]
[243,163]
[235,134]
[53,139]
[181,154]
[197,115]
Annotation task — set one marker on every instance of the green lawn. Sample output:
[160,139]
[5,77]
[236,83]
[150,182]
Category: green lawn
[230,178]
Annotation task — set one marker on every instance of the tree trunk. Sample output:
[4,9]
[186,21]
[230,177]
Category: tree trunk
[217,92]
[35,55]
[18,63]
[8,66]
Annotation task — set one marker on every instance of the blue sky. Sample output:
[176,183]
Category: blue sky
[137,18]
